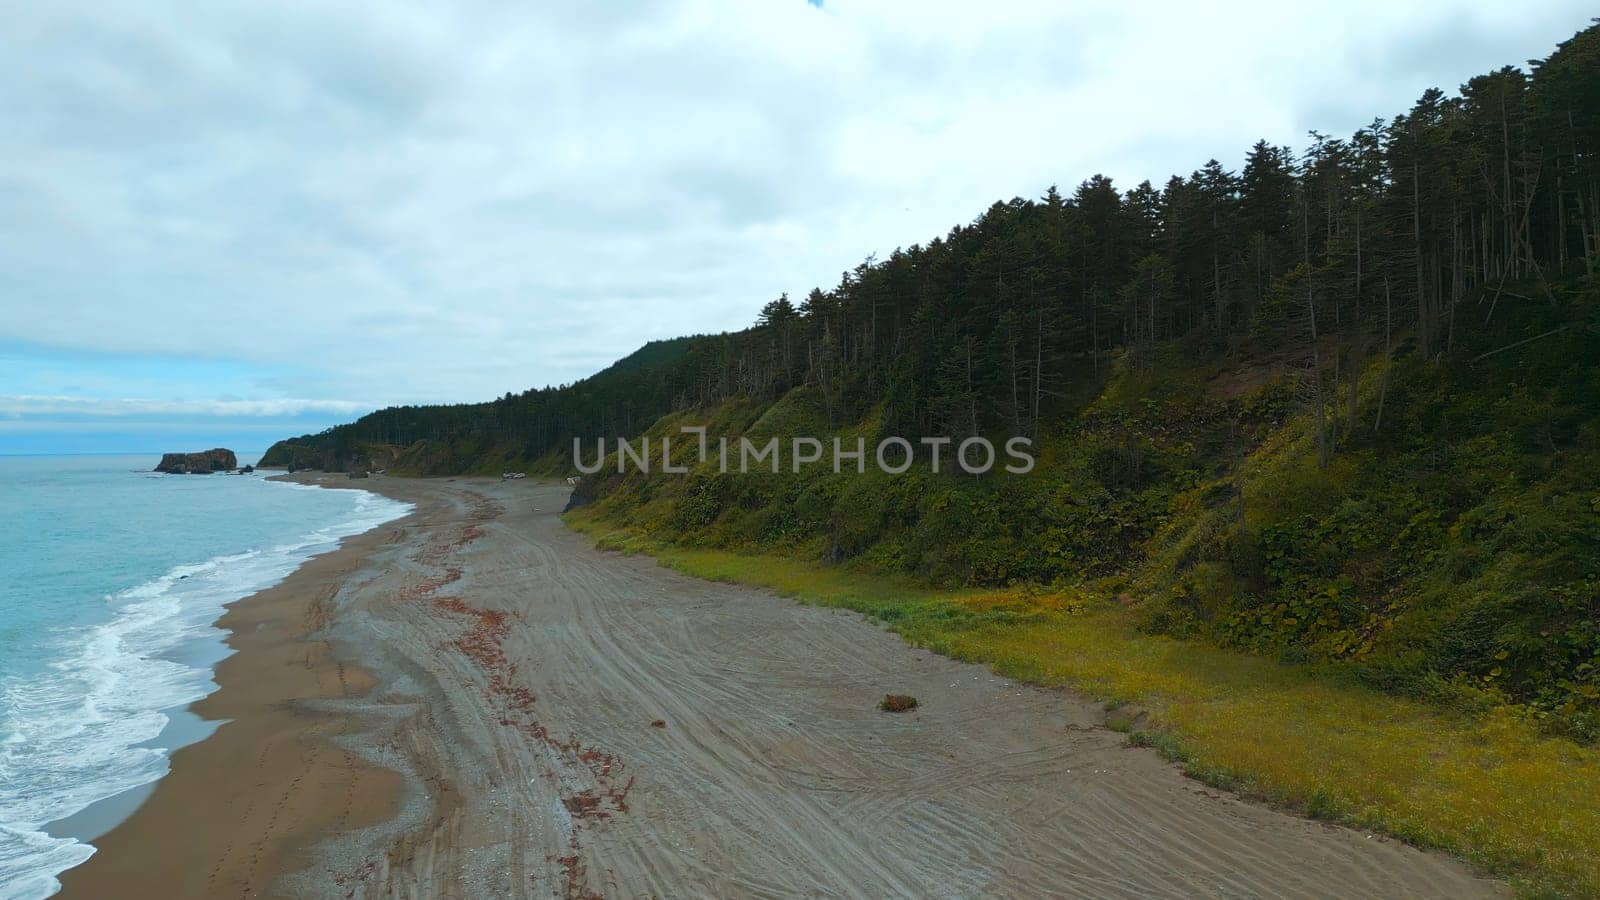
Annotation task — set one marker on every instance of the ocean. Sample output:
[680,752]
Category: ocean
[110,579]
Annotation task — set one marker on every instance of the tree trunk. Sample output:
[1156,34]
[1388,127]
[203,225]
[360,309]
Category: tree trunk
[1416,240]
[1038,370]
[1356,343]
[1316,379]
[1388,355]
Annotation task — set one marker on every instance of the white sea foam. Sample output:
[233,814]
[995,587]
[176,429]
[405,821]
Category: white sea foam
[76,737]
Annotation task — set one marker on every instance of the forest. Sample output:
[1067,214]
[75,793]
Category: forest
[1340,406]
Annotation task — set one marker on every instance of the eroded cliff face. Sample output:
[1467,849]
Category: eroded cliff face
[203,463]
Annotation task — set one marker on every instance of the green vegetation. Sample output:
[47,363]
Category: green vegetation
[510,432]
[1450,555]
[1457,211]
[1318,444]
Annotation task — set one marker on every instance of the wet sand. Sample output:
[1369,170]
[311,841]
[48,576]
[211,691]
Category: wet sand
[473,702]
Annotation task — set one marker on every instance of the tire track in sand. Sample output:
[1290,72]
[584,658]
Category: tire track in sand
[537,666]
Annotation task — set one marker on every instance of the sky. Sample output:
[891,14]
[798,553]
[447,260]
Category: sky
[225,223]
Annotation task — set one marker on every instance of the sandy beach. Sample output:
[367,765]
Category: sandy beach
[472,702]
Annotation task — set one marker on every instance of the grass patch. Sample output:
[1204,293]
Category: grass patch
[1490,788]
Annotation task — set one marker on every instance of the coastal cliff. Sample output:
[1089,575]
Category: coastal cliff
[203,463]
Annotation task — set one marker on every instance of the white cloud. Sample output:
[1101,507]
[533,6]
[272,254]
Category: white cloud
[445,202]
[24,405]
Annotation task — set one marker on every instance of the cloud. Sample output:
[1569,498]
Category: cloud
[410,202]
[22,405]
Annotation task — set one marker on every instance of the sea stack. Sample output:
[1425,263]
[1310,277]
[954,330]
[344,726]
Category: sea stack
[205,462]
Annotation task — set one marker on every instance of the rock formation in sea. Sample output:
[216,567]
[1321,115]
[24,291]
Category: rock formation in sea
[203,463]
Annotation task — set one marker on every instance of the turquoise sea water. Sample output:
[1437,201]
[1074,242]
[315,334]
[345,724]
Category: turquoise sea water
[110,578]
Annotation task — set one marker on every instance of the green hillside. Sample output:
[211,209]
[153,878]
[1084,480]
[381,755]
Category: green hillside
[1317,442]
[1337,408]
